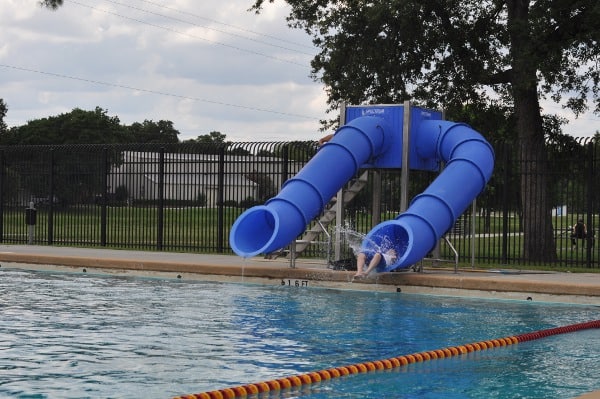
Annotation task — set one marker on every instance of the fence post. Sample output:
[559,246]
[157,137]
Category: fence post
[221,200]
[30,220]
[161,200]
[473,231]
[285,160]
[589,204]
[51,201]
[376,197]
[104,204]
[2,196]
[505,208]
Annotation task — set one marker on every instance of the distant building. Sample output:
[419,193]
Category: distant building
[190,177]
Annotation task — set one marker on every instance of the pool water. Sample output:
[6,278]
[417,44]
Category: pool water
[66,335]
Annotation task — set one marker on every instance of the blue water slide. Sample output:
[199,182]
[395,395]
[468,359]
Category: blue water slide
[266,228]
[469,162]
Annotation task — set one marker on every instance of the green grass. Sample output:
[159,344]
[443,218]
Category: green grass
[194,229]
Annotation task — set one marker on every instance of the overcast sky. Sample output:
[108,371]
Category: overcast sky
[207,65]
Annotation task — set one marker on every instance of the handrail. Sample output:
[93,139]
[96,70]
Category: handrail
[293,246]
[455,253]
[445,237]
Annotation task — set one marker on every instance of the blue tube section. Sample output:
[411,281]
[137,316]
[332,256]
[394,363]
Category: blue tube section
[469,164]
[268,227]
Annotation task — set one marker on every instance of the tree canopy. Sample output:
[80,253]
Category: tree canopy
[3,110]
[52,4]
[88,127]
[455,53]
[210,138]
[443,53]
[161,132]
[75,127]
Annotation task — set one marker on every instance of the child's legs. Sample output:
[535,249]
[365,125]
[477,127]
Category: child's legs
[374,262]
[361,259]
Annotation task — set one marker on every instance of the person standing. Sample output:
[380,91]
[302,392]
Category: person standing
[578,232]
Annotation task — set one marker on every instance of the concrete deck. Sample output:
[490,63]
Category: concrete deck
[580,288]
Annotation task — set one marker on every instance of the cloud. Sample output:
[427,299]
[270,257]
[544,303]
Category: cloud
[247,78]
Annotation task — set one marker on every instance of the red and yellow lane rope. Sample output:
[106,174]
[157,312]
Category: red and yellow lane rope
[391,363]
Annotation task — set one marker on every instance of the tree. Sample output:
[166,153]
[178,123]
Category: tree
[51,4]
[456,52]
[214,143]
[3,111]
[266,187]
[567,164]
[161,132]
[296,150]
[75,127]
[210,138]
[211,143]
[72,164]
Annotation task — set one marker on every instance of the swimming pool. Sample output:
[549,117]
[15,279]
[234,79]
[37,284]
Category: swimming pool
[82,335]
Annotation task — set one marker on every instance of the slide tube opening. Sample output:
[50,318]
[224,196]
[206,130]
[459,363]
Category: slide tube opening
[254,231]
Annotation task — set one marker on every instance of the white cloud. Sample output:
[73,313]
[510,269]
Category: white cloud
[187,65]
[585,125]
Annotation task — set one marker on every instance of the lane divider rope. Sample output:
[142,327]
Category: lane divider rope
[391,363]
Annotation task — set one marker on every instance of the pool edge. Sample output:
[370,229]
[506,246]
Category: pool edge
[545,287]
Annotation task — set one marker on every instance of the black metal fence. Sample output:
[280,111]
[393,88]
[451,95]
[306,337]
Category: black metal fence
[185,197]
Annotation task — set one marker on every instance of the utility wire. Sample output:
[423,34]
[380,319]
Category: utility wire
[206,27]
[227,25]
[204,100]
[187,34]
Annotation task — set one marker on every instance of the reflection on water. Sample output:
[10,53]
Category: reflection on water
[74,336]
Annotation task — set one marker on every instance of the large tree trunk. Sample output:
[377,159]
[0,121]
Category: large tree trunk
[538,237]
[538,242]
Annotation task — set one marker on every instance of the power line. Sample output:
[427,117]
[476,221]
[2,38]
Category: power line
[215,29]
[187,34]
[204,100]
[226,24]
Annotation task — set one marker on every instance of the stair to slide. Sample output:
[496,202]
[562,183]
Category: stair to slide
[329,214]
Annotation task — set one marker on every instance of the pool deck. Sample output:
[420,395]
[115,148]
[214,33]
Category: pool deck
[561,287]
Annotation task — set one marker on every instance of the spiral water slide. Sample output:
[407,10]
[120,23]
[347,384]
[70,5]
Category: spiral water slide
[469,162]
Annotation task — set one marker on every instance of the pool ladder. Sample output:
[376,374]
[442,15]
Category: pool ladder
[419,267]
[293,254]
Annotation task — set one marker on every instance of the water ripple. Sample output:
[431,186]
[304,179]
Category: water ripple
[71,336]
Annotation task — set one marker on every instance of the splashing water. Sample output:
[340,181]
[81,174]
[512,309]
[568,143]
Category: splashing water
[352,238]
[359,242]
